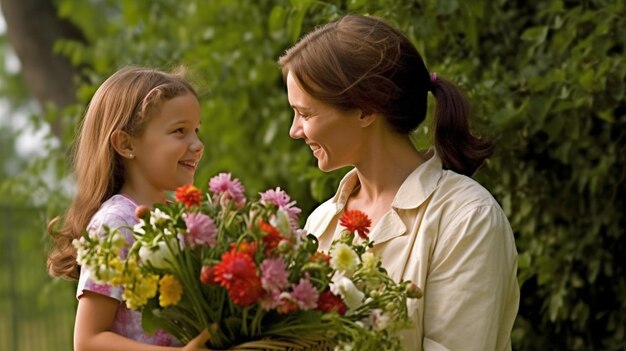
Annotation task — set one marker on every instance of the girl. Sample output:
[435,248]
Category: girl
[359,88]
[138,140]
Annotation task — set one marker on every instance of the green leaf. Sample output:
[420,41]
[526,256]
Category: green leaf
[586,80]
[536,35]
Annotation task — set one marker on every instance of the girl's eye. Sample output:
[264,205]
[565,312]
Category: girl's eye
[179,131]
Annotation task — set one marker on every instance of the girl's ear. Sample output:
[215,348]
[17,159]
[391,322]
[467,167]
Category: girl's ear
[122,144]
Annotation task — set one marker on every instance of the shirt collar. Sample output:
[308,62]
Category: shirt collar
[417,187]
[421,183]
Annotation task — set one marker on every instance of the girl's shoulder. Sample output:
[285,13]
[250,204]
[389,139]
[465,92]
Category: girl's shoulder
[117,211]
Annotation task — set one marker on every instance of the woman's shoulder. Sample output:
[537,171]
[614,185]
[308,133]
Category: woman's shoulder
[462,191]
[458,198]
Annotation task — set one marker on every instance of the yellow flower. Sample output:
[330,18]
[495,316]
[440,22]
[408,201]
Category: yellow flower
[370,261]
[170,290]
[138,292]
[343,258]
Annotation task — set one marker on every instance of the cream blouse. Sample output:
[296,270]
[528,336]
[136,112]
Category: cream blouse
[447,234]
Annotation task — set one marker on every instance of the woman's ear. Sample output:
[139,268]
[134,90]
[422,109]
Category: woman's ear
[365,120]
[122,144]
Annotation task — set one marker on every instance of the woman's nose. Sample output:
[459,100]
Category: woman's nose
[295,131]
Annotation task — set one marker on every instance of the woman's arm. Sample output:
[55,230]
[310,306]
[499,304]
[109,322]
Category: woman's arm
[472,295]
[92,329]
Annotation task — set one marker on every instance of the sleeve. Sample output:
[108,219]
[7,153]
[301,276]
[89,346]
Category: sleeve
[472,295]
[85,280]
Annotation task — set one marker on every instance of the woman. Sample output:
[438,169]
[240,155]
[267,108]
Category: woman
[359,88]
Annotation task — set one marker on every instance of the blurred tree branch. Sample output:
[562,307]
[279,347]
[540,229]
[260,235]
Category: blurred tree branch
[33,27]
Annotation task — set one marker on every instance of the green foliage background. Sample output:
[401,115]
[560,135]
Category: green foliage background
[547,81]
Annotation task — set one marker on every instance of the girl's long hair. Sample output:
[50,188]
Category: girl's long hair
[124,102]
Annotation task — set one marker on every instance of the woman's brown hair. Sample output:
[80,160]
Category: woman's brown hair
[363,62]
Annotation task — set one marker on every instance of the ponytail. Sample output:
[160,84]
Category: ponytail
[460,151]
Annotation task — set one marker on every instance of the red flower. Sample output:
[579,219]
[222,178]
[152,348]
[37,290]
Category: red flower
[320,257]
[237,273]
[207,275]
[188,195]
[272,236]
[244,293]
[356,221]
[330,302]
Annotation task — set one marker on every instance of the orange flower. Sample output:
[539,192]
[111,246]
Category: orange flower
[356,221]
[245,247]
[272,237]
[188,195]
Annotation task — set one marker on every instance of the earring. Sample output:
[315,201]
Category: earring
[131,156]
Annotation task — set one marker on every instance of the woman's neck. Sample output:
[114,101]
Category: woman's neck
[386,166]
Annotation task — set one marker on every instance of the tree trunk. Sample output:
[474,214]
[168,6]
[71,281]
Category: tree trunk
[33,26]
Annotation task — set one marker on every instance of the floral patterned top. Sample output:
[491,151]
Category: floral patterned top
[119,211]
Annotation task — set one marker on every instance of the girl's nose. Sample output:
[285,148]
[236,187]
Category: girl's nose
[295,131]
[197,146]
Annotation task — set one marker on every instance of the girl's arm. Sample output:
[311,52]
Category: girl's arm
[92,329]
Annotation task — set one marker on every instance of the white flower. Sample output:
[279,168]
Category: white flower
[157,255]
[81,252]
[158,217]
[379,320]
[343,258]
[138,228]
[118,240]
[344,287]
[105,273]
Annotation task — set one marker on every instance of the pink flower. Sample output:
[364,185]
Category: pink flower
[200,229]
[305,295]
[277,197]
[270,300]
[228,189]
[274,274]
[293,213]
[280,198]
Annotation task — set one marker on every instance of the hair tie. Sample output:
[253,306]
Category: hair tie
[433,77]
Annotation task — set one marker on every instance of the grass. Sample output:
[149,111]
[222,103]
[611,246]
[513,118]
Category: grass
[36,313]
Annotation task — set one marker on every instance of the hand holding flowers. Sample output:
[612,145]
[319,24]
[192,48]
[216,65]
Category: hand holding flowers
[244,271]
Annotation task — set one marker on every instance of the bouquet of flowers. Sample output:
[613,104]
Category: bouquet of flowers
[245,272]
